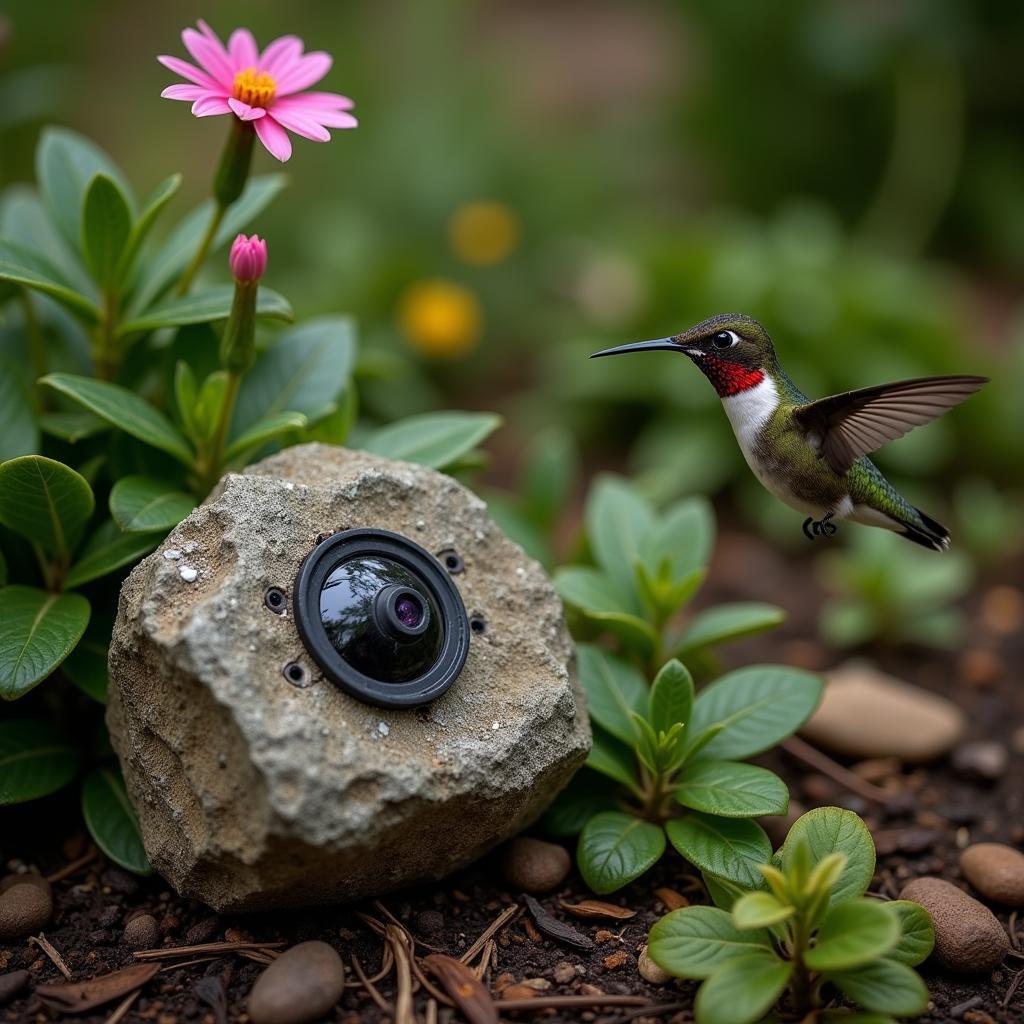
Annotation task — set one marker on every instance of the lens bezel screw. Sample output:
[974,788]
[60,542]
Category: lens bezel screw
[276,600]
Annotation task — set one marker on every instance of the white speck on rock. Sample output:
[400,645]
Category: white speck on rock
[421,524]
[171,555]
[383,728]
[188,574]
[496,725]
[289,486]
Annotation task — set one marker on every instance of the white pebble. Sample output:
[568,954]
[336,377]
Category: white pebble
[172,555]
[188,574]
[289,486]
[383,728]
[496,725]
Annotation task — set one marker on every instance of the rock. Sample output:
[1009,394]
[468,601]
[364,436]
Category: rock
[25,908]
[564,972]
[27,878]
[535,866]
[141,932]
[996,871]
[867,714]
[982,761]
[300,985]
[253,792]
[650,971]
[11,984]
[968,937]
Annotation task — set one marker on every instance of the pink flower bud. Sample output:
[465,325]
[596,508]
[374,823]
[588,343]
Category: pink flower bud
[248,259]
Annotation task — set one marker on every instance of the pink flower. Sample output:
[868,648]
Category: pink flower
[264,88]
[248,258]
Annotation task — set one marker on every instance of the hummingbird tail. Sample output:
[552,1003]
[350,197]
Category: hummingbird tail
[928,533]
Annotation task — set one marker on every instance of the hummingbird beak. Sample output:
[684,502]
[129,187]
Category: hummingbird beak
[666,344]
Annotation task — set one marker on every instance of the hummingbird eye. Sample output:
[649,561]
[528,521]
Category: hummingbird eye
[725,339]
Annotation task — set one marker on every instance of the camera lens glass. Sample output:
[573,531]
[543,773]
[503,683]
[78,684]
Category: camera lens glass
[381,617]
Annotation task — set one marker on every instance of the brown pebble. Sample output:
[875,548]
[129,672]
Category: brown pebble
[996,871]
[141,932]
[615,960]
[533,865]
[564,972]
[24,909]
[519,992]
[28,878]
[650,971]
[11,984]
[877,769]
[429,921]
[301,985]
[202,931]
[968,937]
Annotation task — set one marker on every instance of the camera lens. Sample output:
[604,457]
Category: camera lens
[381,617]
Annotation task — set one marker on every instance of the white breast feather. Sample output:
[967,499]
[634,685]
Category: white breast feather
[748,412]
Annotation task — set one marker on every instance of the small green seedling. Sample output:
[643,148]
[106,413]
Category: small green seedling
[676,758]
[805,938]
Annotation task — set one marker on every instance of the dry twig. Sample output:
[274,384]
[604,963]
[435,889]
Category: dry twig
[124,1007]
[170,952]
[403,972]
[366,983]
[58,961]
[76,865]
[489,932]
[814,758]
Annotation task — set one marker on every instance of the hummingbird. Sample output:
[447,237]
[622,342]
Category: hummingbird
[813,454]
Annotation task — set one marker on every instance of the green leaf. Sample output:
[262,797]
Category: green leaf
[742,990]
[759,910]
[723,893]
[66,164]
[201,308]
[614,688]
[208,403]
[758,705]
[305,370]
[264,430]
[617,520]
[125,410]
[886,987]
[45,501]
[610,757]
[851,935]
[684,536]
[731,848]
[18,433]
[106,226]
[695,941]
[599,598]
[109,549]
[186,393]
[615,848]
[111,820]
[38,630]
[140,504]
[72,426]
[726,622]
[586,795]
[917,933]
[671,697]
[434,439]
[152,208]
[21,265]
[731,789]
[829,830]
[171,257]
[86,667]
[35,760]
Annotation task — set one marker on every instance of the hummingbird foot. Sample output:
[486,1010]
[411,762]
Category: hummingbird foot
[819,528]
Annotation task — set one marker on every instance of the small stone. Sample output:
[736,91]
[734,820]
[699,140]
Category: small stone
[188,574]
[301,985]
[982,761]
[520,991]
[26,878]
[120,881]
[203,931]
[564,972]
[650,971]
[868,714]
[968,937]
[25,908]
[996,871]
[11,984]
[533,865]
[141,932]
[430,922]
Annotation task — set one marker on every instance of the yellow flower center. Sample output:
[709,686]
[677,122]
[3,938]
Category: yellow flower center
[254,87]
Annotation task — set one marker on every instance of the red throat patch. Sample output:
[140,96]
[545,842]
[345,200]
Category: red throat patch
[729,378]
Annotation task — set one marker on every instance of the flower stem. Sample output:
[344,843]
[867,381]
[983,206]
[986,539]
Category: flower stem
[106,356]
[200,254]
[212,464]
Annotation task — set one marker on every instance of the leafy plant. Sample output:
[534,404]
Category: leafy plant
[802,936]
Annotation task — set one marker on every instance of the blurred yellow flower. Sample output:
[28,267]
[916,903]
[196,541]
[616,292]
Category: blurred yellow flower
[483,233]
[440,318]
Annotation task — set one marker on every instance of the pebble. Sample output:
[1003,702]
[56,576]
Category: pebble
[25,907]
[650,971]
[968,937]
[141,932]
[996,871]
[28,878]
[11,984]
[982,761]
[430,922]
[202,932]
[533,865]
[868,714]
[564,972]
[301,985]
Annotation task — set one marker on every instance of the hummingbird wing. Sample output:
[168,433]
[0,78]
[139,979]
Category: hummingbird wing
[844,427]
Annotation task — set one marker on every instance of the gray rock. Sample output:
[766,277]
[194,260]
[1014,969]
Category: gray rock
[301,985]
[255,793]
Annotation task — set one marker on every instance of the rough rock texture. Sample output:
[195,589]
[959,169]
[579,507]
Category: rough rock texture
[253,792]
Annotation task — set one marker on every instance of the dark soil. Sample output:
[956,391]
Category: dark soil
[936,814]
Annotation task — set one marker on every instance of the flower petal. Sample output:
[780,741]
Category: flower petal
[184,92]
[244,111]
[212,57]
[274,137]
[328,100]
[301,124]
[243,50]
[210,106]
[309,69]
[189,71]
[310,113]
[280,55]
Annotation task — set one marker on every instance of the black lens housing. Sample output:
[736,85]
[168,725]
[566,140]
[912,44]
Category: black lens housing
[381,617]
